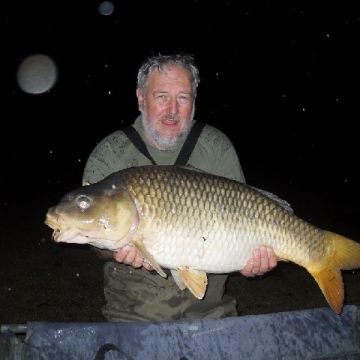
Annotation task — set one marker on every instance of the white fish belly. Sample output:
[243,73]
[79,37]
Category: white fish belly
[213,253]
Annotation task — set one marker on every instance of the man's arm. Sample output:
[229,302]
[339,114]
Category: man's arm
[127,255]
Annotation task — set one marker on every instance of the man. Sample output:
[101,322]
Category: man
[165,133]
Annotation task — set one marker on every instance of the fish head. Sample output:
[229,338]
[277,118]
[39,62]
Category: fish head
[102,216]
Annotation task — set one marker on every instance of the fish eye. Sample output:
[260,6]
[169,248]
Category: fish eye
[83,202]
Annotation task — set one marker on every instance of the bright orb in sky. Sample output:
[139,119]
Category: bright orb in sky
[37,74]
[106,8]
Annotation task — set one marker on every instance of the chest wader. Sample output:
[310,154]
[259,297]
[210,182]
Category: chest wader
[151,297]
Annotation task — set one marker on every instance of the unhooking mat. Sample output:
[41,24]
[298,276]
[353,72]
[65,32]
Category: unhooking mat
[307,334]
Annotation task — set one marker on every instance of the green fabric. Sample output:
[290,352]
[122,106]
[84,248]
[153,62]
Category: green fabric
[140,295]
[137,294]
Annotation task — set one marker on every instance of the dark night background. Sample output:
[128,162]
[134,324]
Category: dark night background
[281,80]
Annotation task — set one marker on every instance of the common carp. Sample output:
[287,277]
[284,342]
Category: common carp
[194,223]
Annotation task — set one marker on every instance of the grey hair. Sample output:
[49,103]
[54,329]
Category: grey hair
[160,62]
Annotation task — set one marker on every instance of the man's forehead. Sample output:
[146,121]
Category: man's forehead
[170,73]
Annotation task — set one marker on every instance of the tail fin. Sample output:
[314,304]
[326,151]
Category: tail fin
[345,256]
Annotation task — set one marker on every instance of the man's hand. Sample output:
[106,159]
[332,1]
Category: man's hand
[129,255]
[263,260]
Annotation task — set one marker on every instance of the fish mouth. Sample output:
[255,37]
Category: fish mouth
[56,235]
[63,231]
[58,225]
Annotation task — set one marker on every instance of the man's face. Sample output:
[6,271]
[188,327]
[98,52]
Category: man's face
[167,107]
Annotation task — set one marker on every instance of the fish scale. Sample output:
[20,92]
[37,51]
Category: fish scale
[194,223]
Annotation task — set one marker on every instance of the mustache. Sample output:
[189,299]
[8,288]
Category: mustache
[171,117]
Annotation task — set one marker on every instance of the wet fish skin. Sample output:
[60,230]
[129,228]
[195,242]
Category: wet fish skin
[195,223]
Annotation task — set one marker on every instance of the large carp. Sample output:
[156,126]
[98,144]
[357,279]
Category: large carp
[195,223]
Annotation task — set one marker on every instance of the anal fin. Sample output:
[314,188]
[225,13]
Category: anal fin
[195,280]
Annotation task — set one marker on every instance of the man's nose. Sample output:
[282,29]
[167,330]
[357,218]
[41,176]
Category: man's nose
[173,106]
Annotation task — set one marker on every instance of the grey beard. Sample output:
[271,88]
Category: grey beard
[166,144]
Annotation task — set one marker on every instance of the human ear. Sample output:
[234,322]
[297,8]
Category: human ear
[139,96]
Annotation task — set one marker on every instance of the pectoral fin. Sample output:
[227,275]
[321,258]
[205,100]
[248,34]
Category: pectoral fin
[195,280]
[139,246]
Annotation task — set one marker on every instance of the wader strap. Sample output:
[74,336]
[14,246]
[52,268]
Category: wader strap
[189,143]
[136,139]
[185,151]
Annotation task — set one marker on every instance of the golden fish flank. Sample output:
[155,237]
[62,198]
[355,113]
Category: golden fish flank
[195,223]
